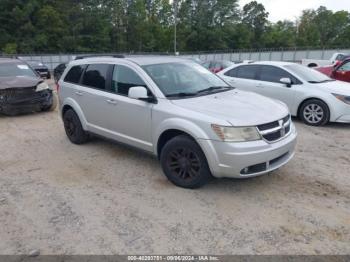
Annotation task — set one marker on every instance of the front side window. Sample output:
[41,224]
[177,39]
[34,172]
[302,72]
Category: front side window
[74,74]
[273,74]
[16,69]
[95,76]
[345,67]
[184,79]
[124,78]
[247,72]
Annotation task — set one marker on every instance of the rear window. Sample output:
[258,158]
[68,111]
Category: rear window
[74,74]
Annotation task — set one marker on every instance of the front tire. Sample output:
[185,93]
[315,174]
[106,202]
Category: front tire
[184,163]
[73,128]
[314,112]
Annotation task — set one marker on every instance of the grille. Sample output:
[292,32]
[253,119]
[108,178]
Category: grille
[16,94]
[276,130]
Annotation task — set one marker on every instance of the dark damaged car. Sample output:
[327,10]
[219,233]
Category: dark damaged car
[22,90]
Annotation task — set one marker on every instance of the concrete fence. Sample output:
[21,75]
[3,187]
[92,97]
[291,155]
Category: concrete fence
[52,60]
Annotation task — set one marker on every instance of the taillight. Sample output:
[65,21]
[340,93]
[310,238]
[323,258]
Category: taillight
[57,87]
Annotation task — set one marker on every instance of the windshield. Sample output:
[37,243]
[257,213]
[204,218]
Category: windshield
[13,69]
[308,74]
[184,79]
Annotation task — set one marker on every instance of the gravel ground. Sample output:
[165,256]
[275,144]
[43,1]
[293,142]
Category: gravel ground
[106,198]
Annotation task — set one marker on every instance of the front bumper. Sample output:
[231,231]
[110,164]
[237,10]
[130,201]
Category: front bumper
[36,102]
[248,159]
[343,119]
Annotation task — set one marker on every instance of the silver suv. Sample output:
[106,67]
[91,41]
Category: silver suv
[194,122]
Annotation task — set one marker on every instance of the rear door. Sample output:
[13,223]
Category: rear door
[92,94]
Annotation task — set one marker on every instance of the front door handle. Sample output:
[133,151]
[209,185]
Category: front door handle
[78,93]
[112,102]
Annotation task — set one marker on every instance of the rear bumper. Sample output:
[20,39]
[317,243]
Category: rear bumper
[29,104]
[249,159]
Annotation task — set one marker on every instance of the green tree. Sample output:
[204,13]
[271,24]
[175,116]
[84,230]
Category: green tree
[255,16]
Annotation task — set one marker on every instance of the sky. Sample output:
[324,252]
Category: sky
[290,9]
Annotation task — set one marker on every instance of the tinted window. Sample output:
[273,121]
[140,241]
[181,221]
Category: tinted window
[124,78]
[273,74]
[74,74]
[247,71]
[232,72]
[95,76]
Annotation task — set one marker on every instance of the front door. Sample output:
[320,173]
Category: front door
[342,73]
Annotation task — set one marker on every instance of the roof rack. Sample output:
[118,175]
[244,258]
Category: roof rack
[92,56]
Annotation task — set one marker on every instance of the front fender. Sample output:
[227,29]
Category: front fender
[194,131]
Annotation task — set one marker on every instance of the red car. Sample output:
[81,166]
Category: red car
[339,71]
[217,66]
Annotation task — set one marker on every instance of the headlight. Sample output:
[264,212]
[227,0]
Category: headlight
[345,99]
[42,86]
[236,134]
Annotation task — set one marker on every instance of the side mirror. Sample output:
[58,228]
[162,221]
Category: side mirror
[287,81]
[140,93]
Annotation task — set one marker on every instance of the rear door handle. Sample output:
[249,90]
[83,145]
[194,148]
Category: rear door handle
[112,102]
[78,93]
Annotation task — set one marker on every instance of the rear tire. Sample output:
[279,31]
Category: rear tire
[184,163]
[314,112]
[73,128]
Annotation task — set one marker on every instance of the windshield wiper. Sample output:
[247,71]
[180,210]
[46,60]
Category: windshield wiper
[214,88]
[182,94]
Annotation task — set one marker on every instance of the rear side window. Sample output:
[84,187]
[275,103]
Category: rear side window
[232,72]
[95,76]
[273,74]
[246,72]
[124,78]
[74,74]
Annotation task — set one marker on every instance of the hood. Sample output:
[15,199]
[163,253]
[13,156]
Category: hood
[238,107]
[338,87]
[19,82]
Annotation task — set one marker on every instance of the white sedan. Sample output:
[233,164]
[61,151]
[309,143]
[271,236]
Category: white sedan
[313,97]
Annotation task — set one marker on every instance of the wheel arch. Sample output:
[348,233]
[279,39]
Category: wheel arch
[312,65]
[167,135]
[71,104]
[173,127]
[313,98]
